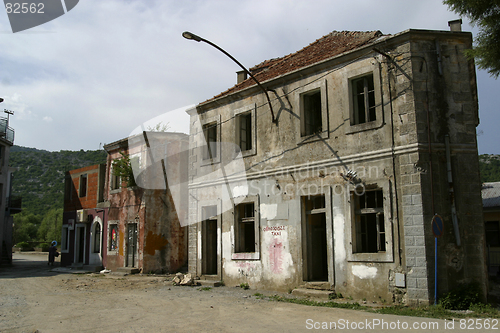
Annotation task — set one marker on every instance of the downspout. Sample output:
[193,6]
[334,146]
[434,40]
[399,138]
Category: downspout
[392,149]
[451,190]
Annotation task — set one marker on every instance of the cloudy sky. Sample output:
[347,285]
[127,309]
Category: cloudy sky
[94,74]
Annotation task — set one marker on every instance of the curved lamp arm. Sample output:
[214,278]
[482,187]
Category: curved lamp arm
[189,35]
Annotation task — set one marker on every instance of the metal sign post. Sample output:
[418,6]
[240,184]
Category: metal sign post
[437,230]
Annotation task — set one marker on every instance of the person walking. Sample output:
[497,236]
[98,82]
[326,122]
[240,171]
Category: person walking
[52,253]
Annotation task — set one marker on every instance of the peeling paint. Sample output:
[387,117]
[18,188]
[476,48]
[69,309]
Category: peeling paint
[268,211]
[240,191]
[364,272]
[154,242]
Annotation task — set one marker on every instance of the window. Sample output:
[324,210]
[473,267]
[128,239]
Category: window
[363,100]
[311,113]
[245,228]
[245,131]
[369,222]
[83,185]
[312,104]
[115,181]
[210,133]
[492,230]
[113,237]
[97,238]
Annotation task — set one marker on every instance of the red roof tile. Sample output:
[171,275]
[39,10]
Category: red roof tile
[326,47]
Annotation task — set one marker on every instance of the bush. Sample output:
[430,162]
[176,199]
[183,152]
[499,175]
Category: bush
[45,247]
[462,297]
[23,245]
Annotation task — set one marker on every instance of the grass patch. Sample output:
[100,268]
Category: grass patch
[205,288]
[433,311]
[244,286]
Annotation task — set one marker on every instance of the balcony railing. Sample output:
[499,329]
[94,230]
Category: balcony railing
[6,132]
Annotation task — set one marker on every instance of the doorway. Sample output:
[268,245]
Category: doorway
[209,241]
[314,251]
[80,244]
[131,256]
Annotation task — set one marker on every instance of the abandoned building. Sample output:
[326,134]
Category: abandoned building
[9,204]
[84,218]
[491,209]
[143,229]
[365,138]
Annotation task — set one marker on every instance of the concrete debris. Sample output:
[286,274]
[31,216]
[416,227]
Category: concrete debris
[105,271]
[187,280]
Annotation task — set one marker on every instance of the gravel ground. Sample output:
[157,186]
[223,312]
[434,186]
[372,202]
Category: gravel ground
[38,298]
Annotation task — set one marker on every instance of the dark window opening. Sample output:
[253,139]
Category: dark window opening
[210,133]
[97,238]
[245,228]
[83,185]
[245,131]
[369,222]
[363,96]
[492,230]
[312,117]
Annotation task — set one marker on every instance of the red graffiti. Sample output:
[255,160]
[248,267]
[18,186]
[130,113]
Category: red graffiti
[275,256]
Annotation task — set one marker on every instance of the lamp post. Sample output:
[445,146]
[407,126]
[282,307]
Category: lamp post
[191,36]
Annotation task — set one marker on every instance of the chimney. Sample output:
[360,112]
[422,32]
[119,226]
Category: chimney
[455,25]
[241,76]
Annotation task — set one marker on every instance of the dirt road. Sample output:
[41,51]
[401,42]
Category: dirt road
[35,299]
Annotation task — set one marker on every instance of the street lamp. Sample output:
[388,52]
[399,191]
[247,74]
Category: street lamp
[191,36]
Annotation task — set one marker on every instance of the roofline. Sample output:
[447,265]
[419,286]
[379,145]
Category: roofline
[397,38]
[123,143]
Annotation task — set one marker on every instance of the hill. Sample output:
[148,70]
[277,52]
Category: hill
[489,167]
[39,179]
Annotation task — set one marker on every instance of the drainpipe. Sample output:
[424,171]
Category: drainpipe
[452,193]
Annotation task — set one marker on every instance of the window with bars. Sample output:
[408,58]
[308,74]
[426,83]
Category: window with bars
[363,100]
[370,235]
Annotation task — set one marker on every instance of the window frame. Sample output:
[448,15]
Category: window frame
[204,144]
[81,187]
[241,255]
[351,228]
[111,224]
[249,110]
[65,235]
[317,86]
[354,75]
[489,230]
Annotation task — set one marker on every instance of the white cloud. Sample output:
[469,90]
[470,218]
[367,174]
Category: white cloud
[106,67]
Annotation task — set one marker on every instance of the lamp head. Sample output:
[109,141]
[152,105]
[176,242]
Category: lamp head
[189,35]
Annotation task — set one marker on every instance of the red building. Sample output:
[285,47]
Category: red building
[84,217]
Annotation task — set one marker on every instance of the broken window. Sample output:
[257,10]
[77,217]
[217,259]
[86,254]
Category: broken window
[245,228]
[113,237]
[363,100]
[245,131]
[210,134]
[311,114]
[83,185]
[492,230]
[370,235]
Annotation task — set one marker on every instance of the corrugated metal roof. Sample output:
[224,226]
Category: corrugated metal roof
[333,44]
[491,194]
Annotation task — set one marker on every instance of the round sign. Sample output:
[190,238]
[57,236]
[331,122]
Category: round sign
[437,226]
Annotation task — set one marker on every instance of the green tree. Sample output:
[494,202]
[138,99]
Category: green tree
[486,15]
[123,167]
[50,228]
[25,227]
